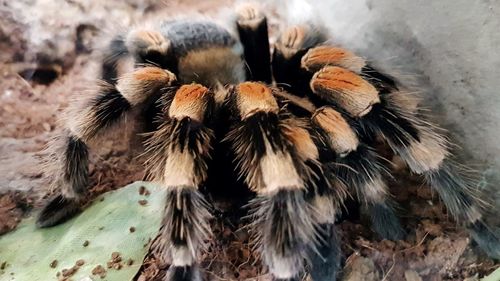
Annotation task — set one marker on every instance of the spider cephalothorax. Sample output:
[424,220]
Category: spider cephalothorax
[297,129]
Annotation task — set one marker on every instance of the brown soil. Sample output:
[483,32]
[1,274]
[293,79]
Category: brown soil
[47,59]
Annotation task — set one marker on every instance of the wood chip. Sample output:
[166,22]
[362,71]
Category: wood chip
[142,190]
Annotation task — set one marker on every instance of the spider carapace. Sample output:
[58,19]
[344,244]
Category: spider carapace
[297,125]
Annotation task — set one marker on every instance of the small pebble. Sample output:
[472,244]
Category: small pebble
[143,202]
[132,229]
[98,270]
[130,262]
[115,255]
[86,243]
[80,262]
[68,272]
[53,264]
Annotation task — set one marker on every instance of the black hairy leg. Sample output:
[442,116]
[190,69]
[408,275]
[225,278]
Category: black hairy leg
[292,44]
[252,29]
[274,155]
[325,259]
[358,167]
[177,158]
[68,160]
[324,256]
[113,55]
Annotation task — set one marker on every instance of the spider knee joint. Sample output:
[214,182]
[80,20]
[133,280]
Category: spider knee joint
[190,101]
[340,136]
[252,97]
[346,89]
[249,15]
[140,85]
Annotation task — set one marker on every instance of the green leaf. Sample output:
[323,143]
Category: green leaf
[28,251]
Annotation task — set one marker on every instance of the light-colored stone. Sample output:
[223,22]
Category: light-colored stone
[360,269]
[412,275]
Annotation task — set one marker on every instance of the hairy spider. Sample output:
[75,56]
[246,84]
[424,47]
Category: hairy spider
[296,128]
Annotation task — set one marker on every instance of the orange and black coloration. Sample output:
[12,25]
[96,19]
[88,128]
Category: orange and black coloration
[298,139]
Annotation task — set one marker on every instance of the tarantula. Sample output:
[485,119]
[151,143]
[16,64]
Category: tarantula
[296,128]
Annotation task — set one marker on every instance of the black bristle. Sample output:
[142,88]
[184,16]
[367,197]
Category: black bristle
[385,222]
[256,130]
[76,162]
[397,129]
[185,221]
[108,107]
[488,238]
[183,273]
[58,210]
[289,74]
[116,51]
[358,167]
[361,170]
[256,50]
[284,228]
[377,78]
[185,134]
[324,259]
[455,190]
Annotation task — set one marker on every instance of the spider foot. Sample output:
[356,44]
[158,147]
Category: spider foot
[58,210]
[325,259]
[488,238]
[183,273]
[385,222]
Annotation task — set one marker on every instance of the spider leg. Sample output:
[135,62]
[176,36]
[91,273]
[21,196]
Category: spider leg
[359,167]
[69,160]
[145,46]
[272,156]
[380,108]
[325,257]
[252,29]
[292,44]
[362,170]
[178,153]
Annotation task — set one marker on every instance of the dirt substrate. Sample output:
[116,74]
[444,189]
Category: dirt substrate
[47,59]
